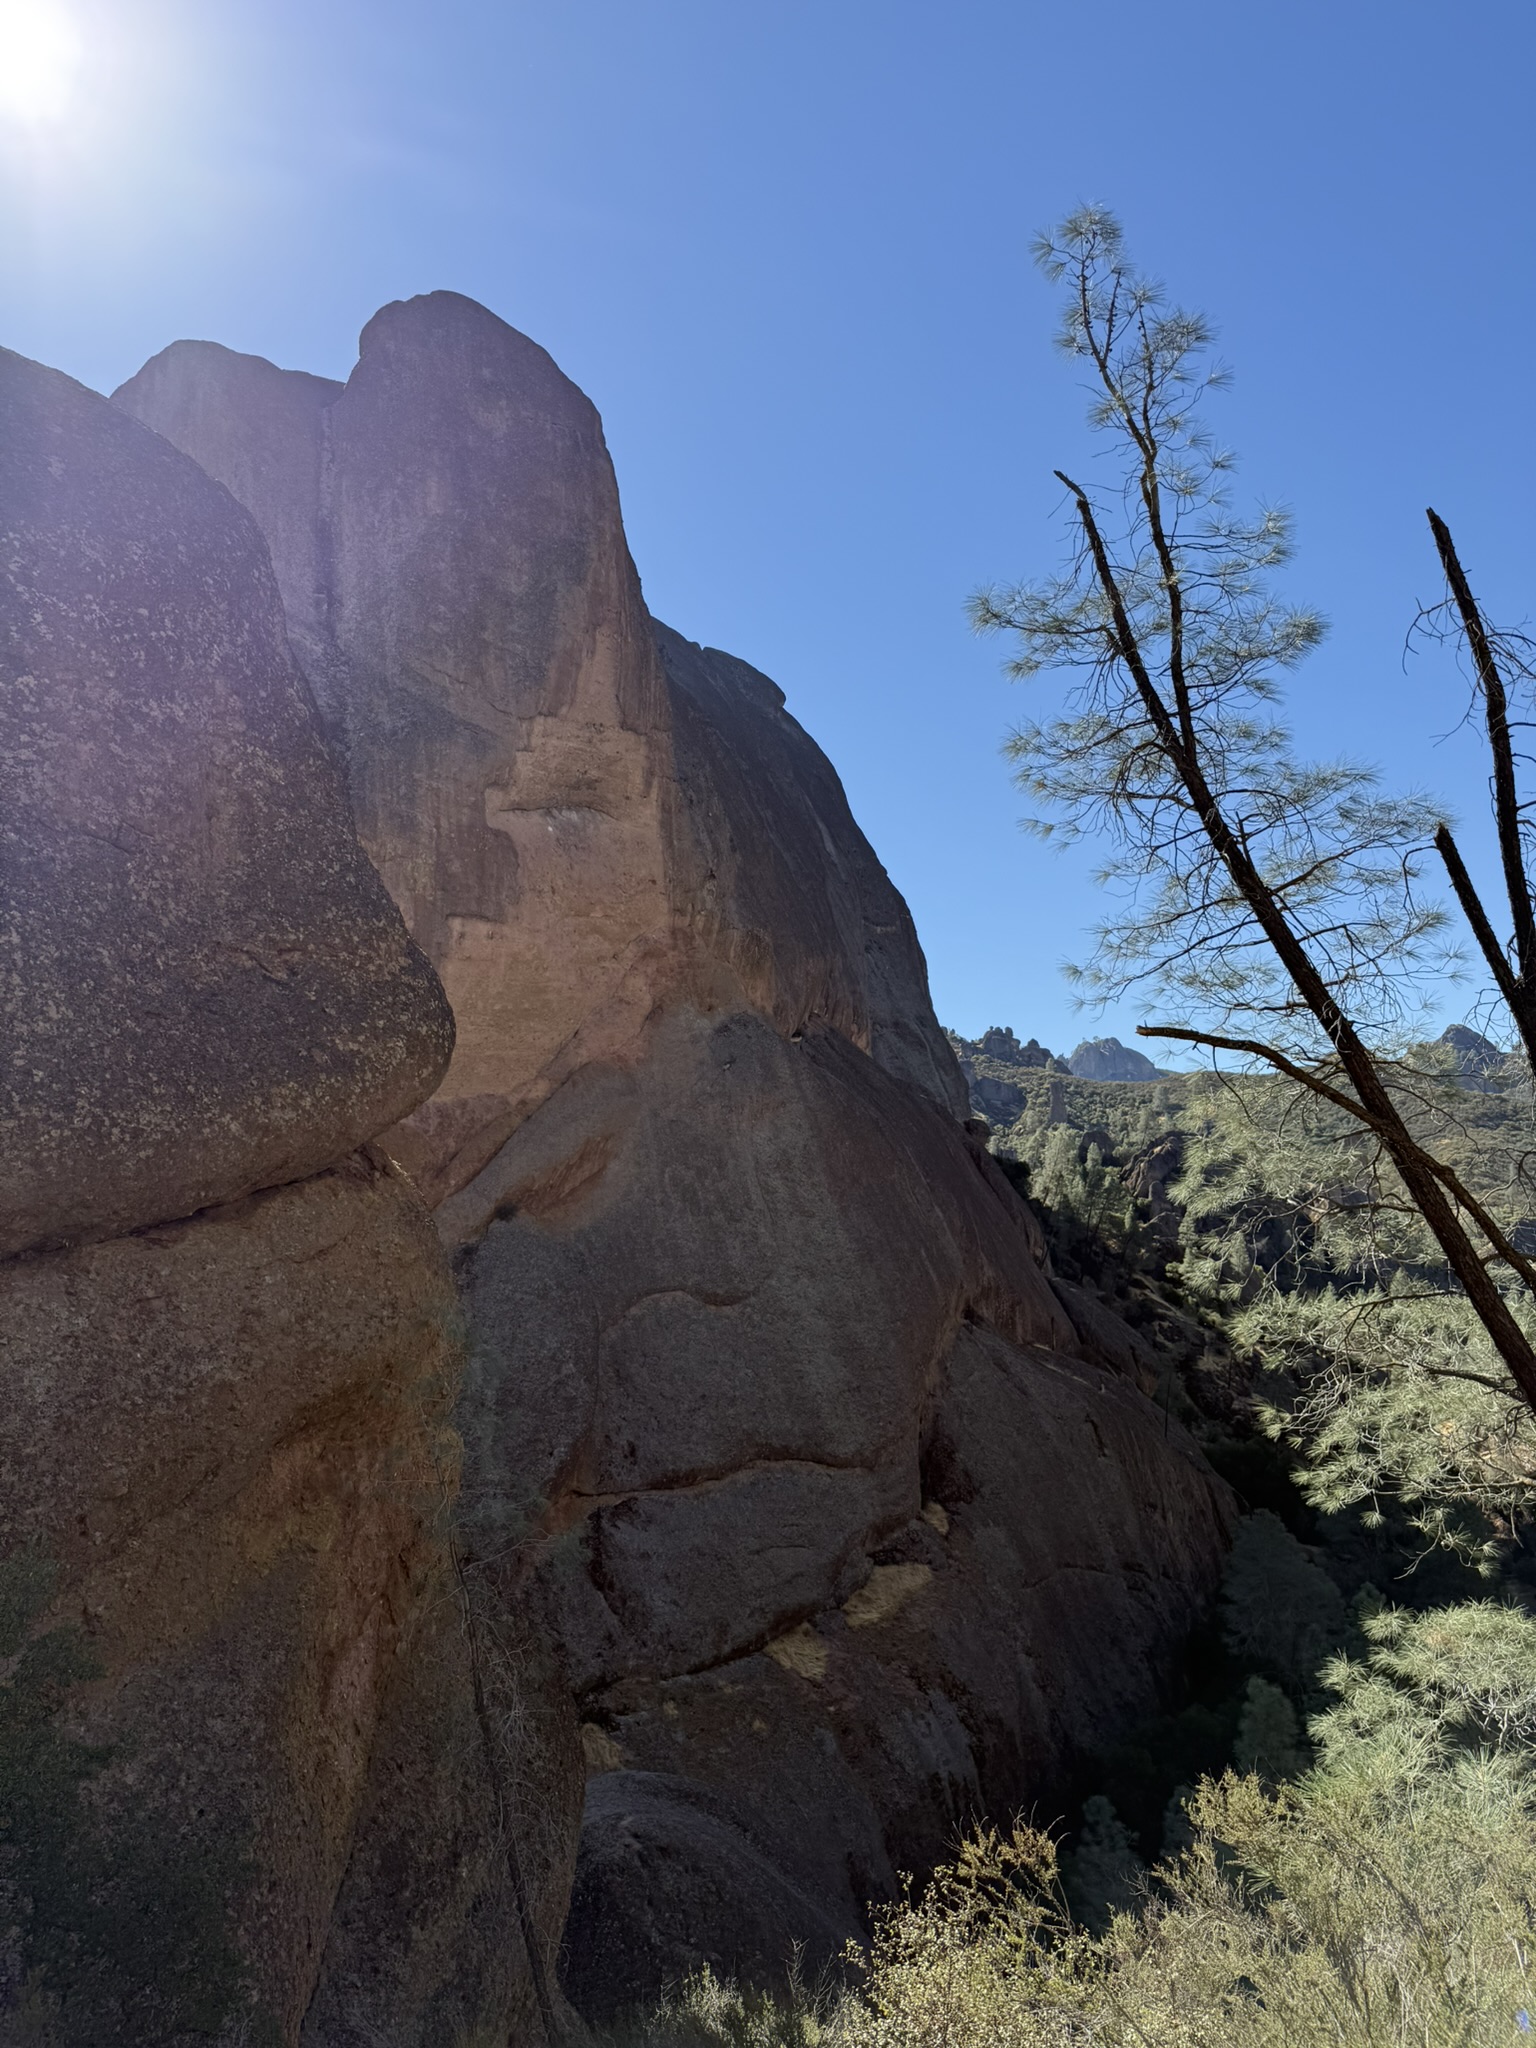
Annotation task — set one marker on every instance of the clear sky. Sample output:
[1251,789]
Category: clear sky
[784,247]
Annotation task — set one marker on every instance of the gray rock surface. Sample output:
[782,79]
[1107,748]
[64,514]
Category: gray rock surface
[993,1066]
[204,990]
[230,1334]
[1106,1059]
[1477,1063]
[659,1855]
[784,883]
[772,1415]
[226,1436]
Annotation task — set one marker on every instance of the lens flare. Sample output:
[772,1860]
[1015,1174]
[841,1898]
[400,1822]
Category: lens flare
[40,52]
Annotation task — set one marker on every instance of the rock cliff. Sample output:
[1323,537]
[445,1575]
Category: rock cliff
[1106,1059]
[842,1528]
[232,1670]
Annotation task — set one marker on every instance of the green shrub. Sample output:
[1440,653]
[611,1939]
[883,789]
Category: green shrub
[1100,1874]
[1269,1740]
[1383,1900]
[704,2012]
[1278,1609]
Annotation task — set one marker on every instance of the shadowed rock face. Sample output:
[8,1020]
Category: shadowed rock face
[230,1334]
[204,989]
[844,1528]
[227,1434]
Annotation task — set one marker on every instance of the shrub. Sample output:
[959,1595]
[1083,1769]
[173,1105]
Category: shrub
[1383,1900]
[1278,1609]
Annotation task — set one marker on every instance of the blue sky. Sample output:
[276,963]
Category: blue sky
[785,249]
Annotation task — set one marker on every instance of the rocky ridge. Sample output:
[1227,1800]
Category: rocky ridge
[998,1070]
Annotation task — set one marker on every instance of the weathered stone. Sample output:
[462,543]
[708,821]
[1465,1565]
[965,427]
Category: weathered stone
[573,829]
[203,988]
[779,881]
[230,1335]
[267,426]
[968,1677]
[228,1435]
[465,1842]
[669,1881]
[489,678]
[1106,1059]
[771,1404]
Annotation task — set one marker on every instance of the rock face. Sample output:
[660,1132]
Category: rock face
[1476,1062]
[992,1066]
[1106,1059]
[169,824]
[844,1527]
[1001,1043]
[230,1333]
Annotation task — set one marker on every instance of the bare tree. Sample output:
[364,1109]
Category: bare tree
[1514,979]
[1274,901]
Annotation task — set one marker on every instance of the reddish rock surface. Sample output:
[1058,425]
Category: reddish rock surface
[773,1422]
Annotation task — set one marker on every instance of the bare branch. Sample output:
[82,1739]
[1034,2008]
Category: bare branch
[1506,805]
[1472,909]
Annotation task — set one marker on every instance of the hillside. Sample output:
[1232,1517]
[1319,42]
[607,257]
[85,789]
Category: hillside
[1473,1100]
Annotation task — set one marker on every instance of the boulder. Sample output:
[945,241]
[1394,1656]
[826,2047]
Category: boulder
[249,1788]
[204,989]
[771,1416]
[489,678]
[225,1435]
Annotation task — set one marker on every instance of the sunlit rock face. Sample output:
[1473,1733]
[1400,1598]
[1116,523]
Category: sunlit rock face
[774,1422]
[473,630]
[230,1337]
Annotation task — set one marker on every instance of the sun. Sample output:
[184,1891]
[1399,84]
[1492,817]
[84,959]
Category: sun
[40,52]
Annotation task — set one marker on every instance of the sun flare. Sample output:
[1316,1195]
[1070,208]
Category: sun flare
[40,52]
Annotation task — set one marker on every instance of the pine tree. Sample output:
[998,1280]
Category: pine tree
[1279,1609]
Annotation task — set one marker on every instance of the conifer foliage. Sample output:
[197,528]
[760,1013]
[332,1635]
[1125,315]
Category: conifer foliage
[1278,903]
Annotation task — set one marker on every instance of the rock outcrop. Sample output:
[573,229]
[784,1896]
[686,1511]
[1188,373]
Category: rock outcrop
[1106,1059]
[230,1335]
[994,1067]
[843,1529]
[205,989]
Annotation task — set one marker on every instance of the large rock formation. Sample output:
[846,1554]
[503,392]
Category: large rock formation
[844,1528]
[995,1066]
[1106,1059]
[230,1341]
[205,989]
